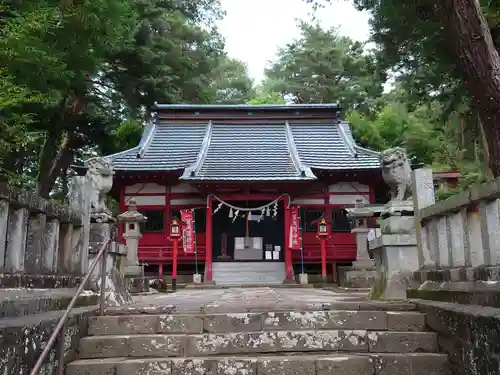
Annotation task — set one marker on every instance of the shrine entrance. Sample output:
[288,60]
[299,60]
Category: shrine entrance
[255,235]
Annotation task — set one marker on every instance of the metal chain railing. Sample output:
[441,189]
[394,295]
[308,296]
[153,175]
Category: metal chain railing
[60,329]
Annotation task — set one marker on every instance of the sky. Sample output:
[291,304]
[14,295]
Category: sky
[254,30]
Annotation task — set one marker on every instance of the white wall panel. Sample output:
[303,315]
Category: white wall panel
[145,188]
[147,200]
[346,187]
[348,199]
[183,188]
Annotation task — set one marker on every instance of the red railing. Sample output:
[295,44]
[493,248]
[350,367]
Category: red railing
[155,252]
[341,247]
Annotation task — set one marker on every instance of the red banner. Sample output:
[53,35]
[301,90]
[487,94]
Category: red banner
[187,221]
[294,228]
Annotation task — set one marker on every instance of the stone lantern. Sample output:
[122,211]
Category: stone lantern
[131,219]
[361,215]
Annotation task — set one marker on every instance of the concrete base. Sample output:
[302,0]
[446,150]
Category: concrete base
[303,279]
[349,277]
[197,278]
[363,264]
[137,284]
[396,259]
[398,224]
[133,271]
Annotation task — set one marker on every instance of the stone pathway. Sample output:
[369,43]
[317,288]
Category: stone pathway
[256,299]
[259,331]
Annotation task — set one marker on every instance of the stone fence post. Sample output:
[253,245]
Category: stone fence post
[31,242]
[464,230]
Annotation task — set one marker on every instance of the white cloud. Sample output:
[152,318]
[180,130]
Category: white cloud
[255,29]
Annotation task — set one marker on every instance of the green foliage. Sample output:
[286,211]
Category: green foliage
[323,67]
[268,98]
[231,82]
[100,64]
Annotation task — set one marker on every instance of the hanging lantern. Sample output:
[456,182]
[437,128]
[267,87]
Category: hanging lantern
[231,213]
[268,211]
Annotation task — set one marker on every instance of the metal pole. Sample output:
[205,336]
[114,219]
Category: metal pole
[103,280]
[60,351]
[174,265]
[301,247]
[195,247]
[62,321]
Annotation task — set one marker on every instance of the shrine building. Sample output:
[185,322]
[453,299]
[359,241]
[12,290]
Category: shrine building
[242,169]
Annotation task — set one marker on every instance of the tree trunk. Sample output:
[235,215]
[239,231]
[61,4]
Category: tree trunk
[60,163]
[479,62]
[486,151]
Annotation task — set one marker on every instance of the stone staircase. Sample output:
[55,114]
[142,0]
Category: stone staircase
[352,338]
[248,273]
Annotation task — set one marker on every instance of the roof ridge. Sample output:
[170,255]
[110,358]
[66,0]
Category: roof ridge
[292,149]
[367,150]
[194,169]
[351,146]
[145,142]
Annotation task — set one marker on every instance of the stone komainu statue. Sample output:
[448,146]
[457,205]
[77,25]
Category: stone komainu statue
[396,172]
[100,174]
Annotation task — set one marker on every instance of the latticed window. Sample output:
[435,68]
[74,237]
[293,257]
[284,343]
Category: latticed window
[308,216]
[155,222]
[340,220]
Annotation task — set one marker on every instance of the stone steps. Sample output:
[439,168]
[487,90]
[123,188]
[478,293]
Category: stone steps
[294,364]
[251,273]
[260,332]
[409,321]
[196,345]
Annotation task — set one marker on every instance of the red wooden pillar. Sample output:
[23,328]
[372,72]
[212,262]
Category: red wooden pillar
[288,251]
[160,271]
[208,246]
[174,264]
[323,258]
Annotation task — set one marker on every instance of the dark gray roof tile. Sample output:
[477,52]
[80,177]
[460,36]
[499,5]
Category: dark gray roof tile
[323,146]
[172,147]
[247,152]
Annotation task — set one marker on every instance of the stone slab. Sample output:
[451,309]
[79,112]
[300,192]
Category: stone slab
[156,345]
[237,322]
[102,366]
[104,347]
[375,320]
[326,364]
[276,341]
[150,366]
[345,364]
[407,321]
[286,366]
[125,325]
[402,342]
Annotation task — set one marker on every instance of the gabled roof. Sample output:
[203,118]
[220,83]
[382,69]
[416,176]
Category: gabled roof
[248,150]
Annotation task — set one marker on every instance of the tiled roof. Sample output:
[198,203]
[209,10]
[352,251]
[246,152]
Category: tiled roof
[331,146]
[163,148]
[247,152]
[240,152]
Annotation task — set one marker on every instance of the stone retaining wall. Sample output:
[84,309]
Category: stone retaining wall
[458,283]
[23,339]
[38,238]
[470,335]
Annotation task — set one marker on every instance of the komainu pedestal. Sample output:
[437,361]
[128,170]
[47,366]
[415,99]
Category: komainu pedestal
[395,252]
